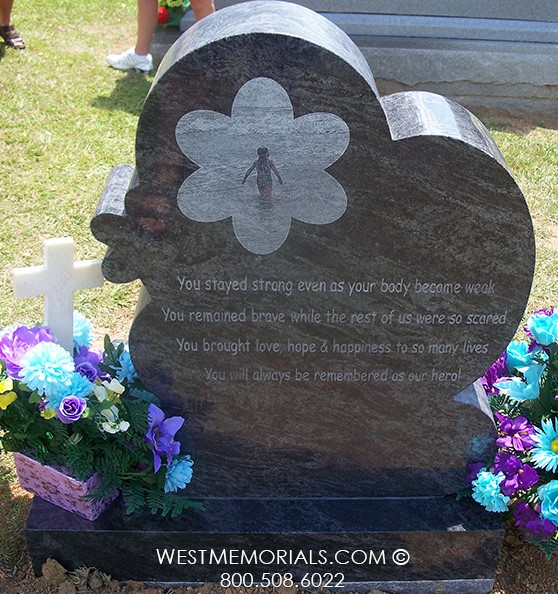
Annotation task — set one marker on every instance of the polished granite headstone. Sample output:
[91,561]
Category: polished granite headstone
[328,274]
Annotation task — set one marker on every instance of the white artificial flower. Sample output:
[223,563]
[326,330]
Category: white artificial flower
[109,428]
[114,386]
[100,393]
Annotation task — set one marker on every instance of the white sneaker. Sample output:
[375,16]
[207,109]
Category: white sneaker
[129,60]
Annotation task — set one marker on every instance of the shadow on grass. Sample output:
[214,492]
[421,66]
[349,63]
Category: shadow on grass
[503,121]
[128,94]
[15,505]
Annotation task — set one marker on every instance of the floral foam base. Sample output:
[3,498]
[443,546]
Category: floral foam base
[61,490]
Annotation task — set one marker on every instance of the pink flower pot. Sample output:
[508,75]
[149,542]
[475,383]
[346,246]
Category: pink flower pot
[61,490]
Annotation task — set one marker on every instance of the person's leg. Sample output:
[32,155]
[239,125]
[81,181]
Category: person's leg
[147,21]
[202,8]
[5,12]
[8,33]
[138,57]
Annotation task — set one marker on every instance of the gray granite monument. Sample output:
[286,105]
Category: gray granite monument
[327,273]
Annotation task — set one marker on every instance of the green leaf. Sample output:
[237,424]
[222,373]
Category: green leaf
[34,398]
[548,546]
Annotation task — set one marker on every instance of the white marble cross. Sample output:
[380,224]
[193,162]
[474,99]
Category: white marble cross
[57,279]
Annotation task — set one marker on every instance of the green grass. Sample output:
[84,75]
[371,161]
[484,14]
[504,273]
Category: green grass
[66,119]
[531,152]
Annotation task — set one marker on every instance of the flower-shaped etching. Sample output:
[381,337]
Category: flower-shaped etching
[261,166]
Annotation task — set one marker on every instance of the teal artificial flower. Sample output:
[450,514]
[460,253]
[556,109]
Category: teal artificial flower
[548,495]
[519,356]
[47,368]
[544,327]
[527,388]
[79,387]
[487,492]
[127,371]
[179,474]
[83,331]
[545,453]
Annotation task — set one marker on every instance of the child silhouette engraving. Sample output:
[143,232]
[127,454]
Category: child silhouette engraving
[264,167]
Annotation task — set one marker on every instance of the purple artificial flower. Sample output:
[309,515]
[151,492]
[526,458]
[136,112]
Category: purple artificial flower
[71,409]
[160,434]
[515,433]
[544,311]
[87,363]
[507,463]
[528,519]
[15,343]
[472,471]
[527,477]
[495,373]
[517,476]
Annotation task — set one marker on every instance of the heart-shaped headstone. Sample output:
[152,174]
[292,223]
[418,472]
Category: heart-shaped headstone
[328,270]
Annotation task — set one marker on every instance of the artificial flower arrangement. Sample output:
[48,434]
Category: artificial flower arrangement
[522,475]
[87,412]
[171,11]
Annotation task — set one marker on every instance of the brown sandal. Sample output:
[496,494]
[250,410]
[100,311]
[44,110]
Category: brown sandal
[11,37]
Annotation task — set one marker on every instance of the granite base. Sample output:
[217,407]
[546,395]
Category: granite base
[412,545]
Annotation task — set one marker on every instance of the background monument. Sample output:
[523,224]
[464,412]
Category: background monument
[500,54]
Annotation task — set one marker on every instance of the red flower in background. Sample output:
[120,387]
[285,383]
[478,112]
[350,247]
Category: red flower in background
[162,15]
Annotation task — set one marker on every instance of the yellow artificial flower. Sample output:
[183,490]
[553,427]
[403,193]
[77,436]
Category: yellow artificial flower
[6,399]
[6,385]
[48,413]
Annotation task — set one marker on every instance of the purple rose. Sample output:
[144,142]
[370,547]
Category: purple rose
[71,409]
[87,363]
[88,371]
[15,343]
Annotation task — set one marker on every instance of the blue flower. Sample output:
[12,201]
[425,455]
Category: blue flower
[79,386]
[127,371]
[523,389]
[549,501]
[179,474]
[83,331]
[544,327]
[545,453]
[518,355]
[47,368]
[487,492]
